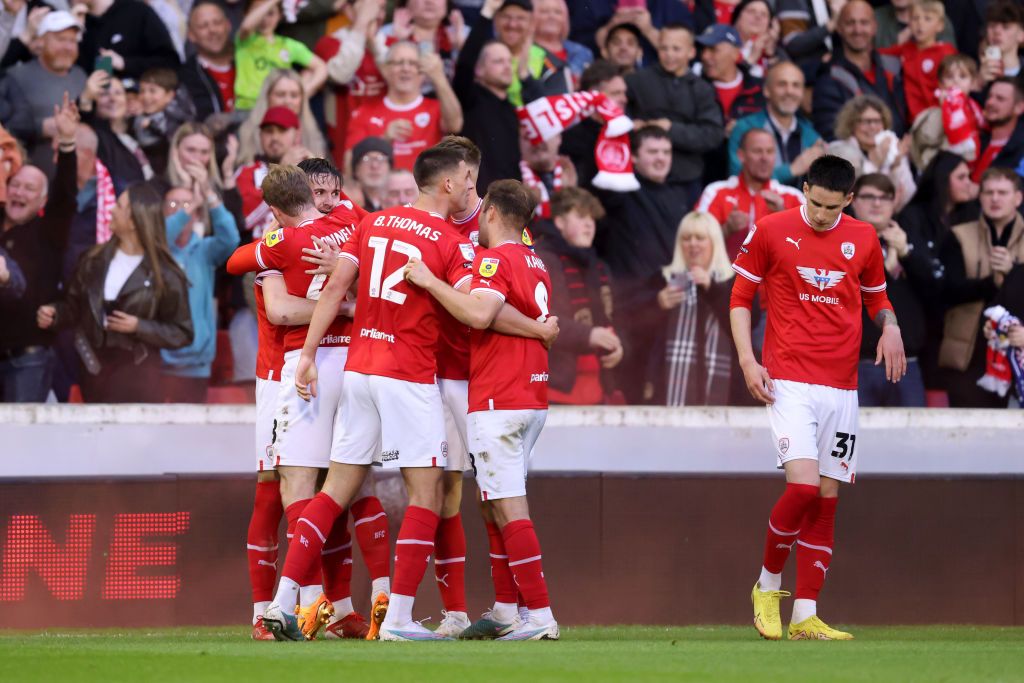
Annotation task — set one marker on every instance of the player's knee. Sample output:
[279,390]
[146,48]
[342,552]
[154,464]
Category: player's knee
[829,488]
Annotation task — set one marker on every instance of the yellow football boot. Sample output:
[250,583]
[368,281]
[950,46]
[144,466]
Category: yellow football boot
[313,618]
[814,628]
[766,612]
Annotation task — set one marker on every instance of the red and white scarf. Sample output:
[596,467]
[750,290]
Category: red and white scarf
[106,198]
[547,117]
[531,180]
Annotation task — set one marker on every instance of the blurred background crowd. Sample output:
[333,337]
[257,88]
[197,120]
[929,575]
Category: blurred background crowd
[136,134]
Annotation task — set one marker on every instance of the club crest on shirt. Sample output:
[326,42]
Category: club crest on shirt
[783,445]
[848,250]
[467,251]
[488,267]
[274,237]
[422,119]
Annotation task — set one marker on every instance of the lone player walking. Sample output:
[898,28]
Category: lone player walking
[817,264]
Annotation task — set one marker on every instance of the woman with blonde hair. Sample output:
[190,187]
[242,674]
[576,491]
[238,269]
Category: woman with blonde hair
[192,165]
[864,137]
[282,88]
[701,365]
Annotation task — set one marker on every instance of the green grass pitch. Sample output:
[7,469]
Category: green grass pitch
[628,653]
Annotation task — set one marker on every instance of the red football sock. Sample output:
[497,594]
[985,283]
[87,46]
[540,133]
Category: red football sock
[412,549]
[814,548]
[370,523]
[261,540]
[524,559]
[303,562]
[784,524]
[504,585]
[336,561]
[450,563]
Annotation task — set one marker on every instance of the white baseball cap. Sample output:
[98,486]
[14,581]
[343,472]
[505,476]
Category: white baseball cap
[58,21]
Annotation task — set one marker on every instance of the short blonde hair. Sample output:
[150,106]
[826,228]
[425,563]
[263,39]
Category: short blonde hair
[930,6]
[846,119]
[721,269]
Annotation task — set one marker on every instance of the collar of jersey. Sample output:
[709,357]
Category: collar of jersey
[403,107]
[803,214]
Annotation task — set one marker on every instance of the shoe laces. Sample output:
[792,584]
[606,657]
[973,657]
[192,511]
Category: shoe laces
[773,604]
[447,619]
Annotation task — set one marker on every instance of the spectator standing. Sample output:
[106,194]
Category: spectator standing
[738,202]
[127,300]
[591,20]
[806,28]
[186,371]
[669,96]
[259,50]
[758,28]
[404,116]
[105,108]
[534,72]
[35,223]
[130,33]
[431,27]
[282,88]
[797,144]
[371,164]
[164,109]
[738,91]
[635,239]
[1011,297]
[279,141]
[1003,143]
[483,75]
[580,141]
[551,18]
[581,297]
[857,68]
[626,46]
[893,19]
[309,23]
[921,55]
[544,171]
[874,201]
[44,80]
[977,258]
[699,365]
[12,280]
[865,138]
[209,74]
[402,189]
[1004,34]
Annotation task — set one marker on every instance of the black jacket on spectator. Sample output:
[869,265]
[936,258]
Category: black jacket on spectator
[690,103]
[15,285]
[490,121]
[37,246]
[14,116]
[125,168]
[750,99]
[579,143]
[1010,155]
[133,30]
[910,313]
[581,297]
[201,88]
[840,80]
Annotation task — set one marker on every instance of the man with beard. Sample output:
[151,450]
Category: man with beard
[1003,143]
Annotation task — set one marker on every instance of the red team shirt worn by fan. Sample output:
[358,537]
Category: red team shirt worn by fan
[282,250]
[920,73]
[373,117]
[815,282]
[510,373]
[395,333]
[453,349]
[269,337]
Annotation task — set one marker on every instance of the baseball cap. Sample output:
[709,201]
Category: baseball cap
[282,117]
[372,144]
[58,21]
[626,26]
[720,33]
[521,4]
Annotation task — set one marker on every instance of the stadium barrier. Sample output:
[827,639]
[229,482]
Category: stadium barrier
[136,516]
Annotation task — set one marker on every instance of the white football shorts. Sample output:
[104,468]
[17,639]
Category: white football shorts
[501,442]
[812,421]
[266,405]
[391,422]
[455,396]
[305,431]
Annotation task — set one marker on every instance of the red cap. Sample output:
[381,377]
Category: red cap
[282,117]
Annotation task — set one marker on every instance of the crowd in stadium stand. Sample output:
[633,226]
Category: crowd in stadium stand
[136,133]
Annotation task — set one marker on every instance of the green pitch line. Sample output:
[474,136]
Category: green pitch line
[628,653]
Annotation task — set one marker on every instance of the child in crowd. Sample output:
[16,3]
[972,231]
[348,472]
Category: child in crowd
[921,55]
[956,124]
[259,50]
[163,110]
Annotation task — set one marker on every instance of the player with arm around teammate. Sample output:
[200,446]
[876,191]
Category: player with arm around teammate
[507,385]
[820,266]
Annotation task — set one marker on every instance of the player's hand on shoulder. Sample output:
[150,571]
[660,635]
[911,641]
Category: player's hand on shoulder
[324,256]
[417,273]
[305,378]
[759,383]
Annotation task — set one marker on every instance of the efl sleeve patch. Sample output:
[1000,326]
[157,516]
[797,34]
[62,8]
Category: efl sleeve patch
[274,237]
[488,267]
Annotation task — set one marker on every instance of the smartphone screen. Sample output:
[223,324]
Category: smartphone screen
[105,64]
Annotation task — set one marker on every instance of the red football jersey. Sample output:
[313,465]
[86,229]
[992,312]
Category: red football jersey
[510,373]
[282,249]
[373,117]
[453,348]
[249,179]
[920,73]
[397,324]
[814,280]
[269,337]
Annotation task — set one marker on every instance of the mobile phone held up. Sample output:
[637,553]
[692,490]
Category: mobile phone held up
[104,64]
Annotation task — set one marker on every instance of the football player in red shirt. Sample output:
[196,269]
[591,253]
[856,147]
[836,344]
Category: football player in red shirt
[818,263]
[508,392]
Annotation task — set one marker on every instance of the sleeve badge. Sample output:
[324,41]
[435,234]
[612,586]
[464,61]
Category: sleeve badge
[488,267]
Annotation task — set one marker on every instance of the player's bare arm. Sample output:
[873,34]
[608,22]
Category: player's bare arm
[477,311]
[327,309]
[890,346]
[512,323]
[759,384]
[284,308]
